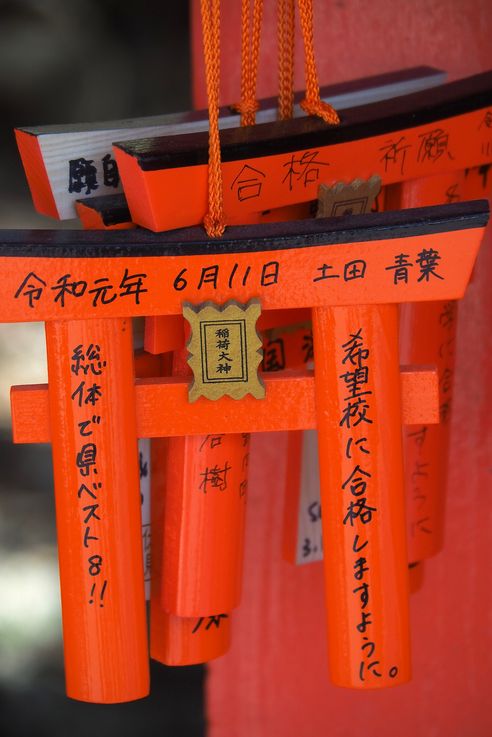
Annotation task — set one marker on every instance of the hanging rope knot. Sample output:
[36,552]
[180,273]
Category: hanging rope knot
[247,109]
[213,225]
[319,108]
[312,104]
[251,18]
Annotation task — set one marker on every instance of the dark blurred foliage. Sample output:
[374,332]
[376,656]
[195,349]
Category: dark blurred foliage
[65,61]
[173,709]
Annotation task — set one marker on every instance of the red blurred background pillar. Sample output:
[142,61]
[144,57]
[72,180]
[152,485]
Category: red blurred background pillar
[274,680]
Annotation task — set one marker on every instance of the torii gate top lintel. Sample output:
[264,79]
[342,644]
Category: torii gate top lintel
[74,275]
[374,119]
[63,244]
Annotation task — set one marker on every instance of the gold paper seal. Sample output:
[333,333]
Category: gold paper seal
[353,198]
[224,350]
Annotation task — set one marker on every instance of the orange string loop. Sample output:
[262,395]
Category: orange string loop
[286,45]
[251,18]
[247,109]
[250,43]
[312,103]
[210,12]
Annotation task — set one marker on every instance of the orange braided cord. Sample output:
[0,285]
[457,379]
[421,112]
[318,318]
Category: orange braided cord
[210,12]
[286,45]
[312,103]
[250,52]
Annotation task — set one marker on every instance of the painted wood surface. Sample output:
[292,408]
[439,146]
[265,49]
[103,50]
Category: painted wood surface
[358,412]
[95,460]
[177,640]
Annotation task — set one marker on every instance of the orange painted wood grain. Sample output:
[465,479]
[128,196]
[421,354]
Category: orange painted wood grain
[204,516]
[69,284]
[163,409]
[177,640]
[358,409]
[173,640]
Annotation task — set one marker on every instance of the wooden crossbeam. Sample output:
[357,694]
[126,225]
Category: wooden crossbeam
[163,408]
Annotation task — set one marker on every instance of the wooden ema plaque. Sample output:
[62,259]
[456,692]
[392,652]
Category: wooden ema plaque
[426,133]
[86,286]
[427,337]
[303,541]
[419,151]
[83,173]
[65,163]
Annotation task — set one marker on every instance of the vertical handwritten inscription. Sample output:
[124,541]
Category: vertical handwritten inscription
[95,461]
[217,471]
[485,133]
[428,333]
[420,472]
[357,490]
[358,415]
[309,532]
[88,365]
[427,445]
[291,347]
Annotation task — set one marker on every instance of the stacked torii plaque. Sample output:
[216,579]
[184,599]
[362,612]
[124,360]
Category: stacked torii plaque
[86,287]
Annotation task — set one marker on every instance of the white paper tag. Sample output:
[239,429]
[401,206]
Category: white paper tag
[144,464]
[309,535]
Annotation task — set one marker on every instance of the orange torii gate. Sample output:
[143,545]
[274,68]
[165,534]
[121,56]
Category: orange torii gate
[281,164]
[422,146]
[86,287]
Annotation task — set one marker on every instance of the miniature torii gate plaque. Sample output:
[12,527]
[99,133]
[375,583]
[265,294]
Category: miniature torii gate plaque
[64,163]
[87,285]
[422,134]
